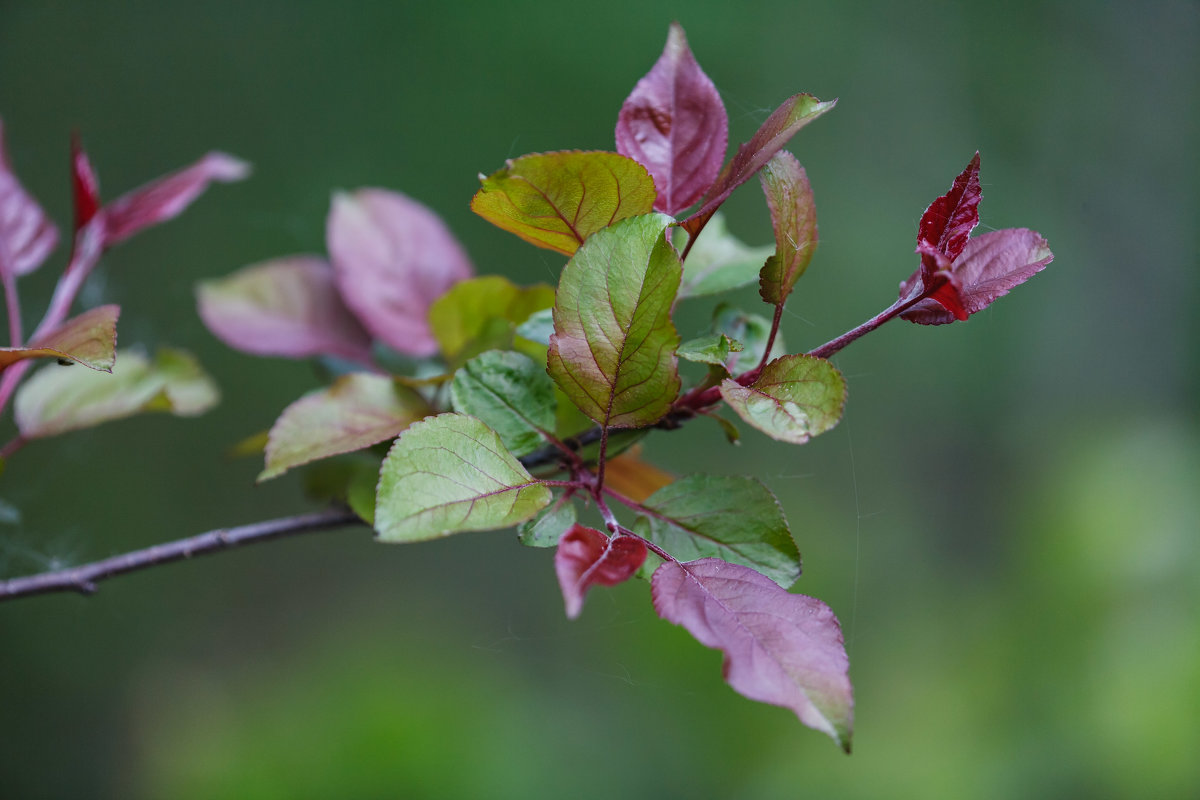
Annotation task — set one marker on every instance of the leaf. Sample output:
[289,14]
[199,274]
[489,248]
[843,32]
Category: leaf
[511,395]
[586,557]
[451,473]
[357,411]
[794,218]
[633,477]
[795,398]
[548,526]
[85,187]
[286,307]
[714,348]
[483,314]
[728,517]
[27,236]
[556,200]
[780,648]
[613,349]
[949,220]
[167,197]
[988,268]
[795,112]
[349,479]
[89,339]
[675,125]
[60,399]
[539,326]
[750,331]
[392,257]
[719,262]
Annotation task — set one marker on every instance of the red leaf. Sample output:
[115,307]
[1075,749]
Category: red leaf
[84,184]
[586,556]
[949,220]
[26,235]
[780,648]
[674,124]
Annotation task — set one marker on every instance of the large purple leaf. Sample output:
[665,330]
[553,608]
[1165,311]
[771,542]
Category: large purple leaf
[794,218]
[780,648]
[285,307]
[393,257]
[89,339]
[796,112]
[27,236]
[988,267]
[586,557]
[674,124]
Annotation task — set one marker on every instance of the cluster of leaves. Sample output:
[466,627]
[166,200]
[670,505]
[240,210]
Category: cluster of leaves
[57,400]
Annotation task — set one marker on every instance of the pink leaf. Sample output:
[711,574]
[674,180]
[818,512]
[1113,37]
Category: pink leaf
[780,648]
[586,556]
[392,258]
[675,125]
[167,197]
[989,267]
[27,237]
[286,307]
[949,220]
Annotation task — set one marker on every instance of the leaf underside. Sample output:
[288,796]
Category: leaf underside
[586,557]
[89,339]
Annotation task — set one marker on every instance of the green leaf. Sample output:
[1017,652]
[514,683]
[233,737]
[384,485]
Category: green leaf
[556,200]
[357,411]
[794,218]
[751,331]
[59,399]
[714,349]
[732,518]
[539,326]
[794,399]
[511,394]
[349,479]
[719,261]
[89,339]
[451,473]
[613,349]
[547,528]
[483,314]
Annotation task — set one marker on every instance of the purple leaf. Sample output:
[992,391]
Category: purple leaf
[586,557]
[27,237]
[675,125]
[89,339]
[392,258]
[989,266]
[286,307]
[780,648]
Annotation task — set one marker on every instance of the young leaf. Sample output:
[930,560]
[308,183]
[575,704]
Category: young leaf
[548,526]
[586,557]
[719,262]
[613,349]
[89,339]
[796,112]
[988,267]
[285,307]
[556,200]
[451,473]
[60,399]
[751,331]
[27,236]
[732,518]
[392,257]
[713,348]
[357,411]
[795,398]
[675,125]
[780,648]
[511,394]
[949,220]
[483,314]
[794,218]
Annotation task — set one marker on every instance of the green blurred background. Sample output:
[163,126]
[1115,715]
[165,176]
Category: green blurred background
[1006,521]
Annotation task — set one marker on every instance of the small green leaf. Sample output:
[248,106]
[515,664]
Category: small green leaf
[732,518]
[751,331]
[511,394]
[89,339]
[483,314]
[451,473]
[538,327]
[719,262]
[357,411]
[613,350]
[547,528]
[711,349]
[556,200]
[794,217]
[794,399]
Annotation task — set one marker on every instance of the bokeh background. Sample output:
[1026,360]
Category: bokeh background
[1006,521]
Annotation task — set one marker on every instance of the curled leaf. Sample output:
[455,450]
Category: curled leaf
[795,398]
[794,218]
[89,339]
[27,236]
[586,557]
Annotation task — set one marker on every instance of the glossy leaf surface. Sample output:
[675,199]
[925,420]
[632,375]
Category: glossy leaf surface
[511,394]
[27,236]
[720,261]
[794,218]
[586,557]
[89,339]
[795,398]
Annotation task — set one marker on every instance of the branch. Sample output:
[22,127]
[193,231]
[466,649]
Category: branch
[83,579]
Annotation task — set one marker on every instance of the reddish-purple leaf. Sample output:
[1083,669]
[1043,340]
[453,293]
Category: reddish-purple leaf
[796,112]
[84,184]
[167,197]
[392,258]
[586,556]
[780,648]
[988,267]
[286,307]
[674,124]
[949,220]
[27,237]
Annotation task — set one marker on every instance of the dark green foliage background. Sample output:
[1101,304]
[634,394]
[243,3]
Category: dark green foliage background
[1006,520]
